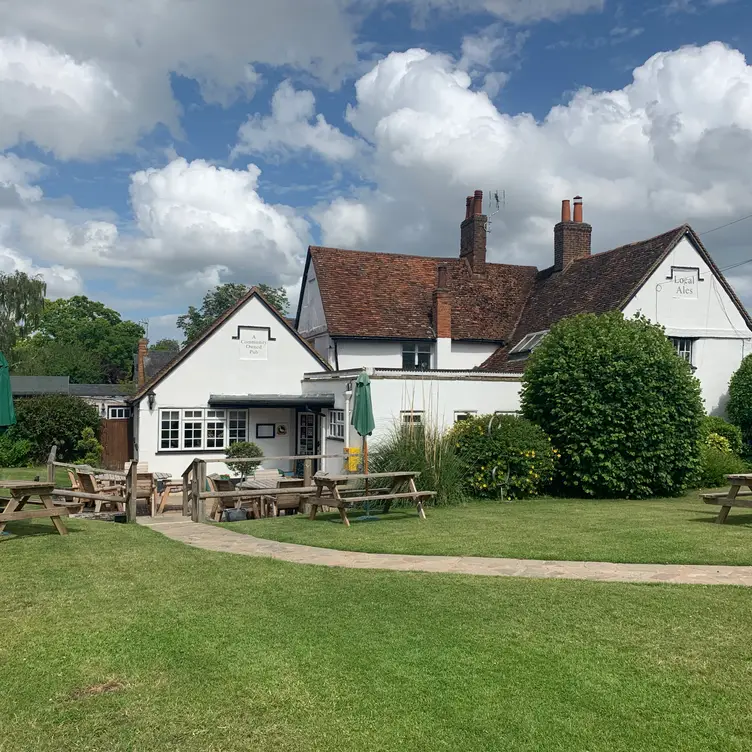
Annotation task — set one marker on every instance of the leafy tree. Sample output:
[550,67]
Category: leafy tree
[86,326]
[170,345]
[21,304]
[43,357]
[49,419]
[222,297]
[739,407]
[88,448]
[619,405]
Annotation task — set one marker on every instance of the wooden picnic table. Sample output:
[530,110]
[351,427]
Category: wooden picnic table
[734,497]
[340,497]
[21,493]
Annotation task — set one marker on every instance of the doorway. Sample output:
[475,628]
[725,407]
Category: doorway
[309,439]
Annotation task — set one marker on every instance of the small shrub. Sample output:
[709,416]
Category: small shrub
[54,419]
[427,450]
[244,449]
[716,464]
[14,452]
[514,446]
[619,404]
[715,424]
[88,449]
[716,441]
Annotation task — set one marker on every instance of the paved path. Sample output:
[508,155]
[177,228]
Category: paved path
[215,538]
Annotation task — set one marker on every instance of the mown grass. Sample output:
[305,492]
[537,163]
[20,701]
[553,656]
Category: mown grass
[677,531]
[115,638]
[30,473]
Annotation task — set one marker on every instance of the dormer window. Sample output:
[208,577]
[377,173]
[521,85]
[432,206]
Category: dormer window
[416,356]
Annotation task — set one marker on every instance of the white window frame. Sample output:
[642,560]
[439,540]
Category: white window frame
[411,418]
[200,429]
[336,424]
[416,349]
[118,412]
[528,343]
[685,348]
[460,415]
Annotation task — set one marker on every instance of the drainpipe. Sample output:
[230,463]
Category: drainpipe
[348,397]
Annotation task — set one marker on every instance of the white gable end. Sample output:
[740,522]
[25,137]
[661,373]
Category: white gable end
[688,300]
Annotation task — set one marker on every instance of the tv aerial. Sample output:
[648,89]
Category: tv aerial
[497,201]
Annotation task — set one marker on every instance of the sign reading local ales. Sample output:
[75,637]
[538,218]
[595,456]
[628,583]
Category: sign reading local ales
[685,282]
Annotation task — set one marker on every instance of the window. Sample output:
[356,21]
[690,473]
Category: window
[528,343]
[170,430]
[118,413]
[416,356]
[237,426]
[192,428]
[464,415]
[411,418]
[684,347]
[215,429]
[337,424]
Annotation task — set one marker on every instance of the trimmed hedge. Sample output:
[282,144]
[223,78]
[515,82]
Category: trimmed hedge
[517,450]
[619,404]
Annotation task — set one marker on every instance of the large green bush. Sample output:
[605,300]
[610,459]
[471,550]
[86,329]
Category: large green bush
[739,407]
[716,464]
[426,449]
[716,424]
[49,419]
[619,404]
[504,453]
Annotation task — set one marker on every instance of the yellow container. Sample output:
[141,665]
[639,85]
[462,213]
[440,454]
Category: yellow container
[353,459]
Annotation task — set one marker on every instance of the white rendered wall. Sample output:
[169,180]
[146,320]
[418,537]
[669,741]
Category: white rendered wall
[702,311]
[466,355]
[365,353]
[216,367]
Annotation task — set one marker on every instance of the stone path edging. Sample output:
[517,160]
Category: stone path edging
[215,538]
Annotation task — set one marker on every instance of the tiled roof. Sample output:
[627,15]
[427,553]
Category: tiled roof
[390,295]
[100,390]
[602,282]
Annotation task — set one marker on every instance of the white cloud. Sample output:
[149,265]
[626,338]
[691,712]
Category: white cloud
[293,126]
[83,78]
[61,282]
[672,145]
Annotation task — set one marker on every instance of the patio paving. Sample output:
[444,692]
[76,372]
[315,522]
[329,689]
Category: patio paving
[214,538]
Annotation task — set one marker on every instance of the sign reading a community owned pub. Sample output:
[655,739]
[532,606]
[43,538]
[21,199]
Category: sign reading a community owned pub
[685,282]
[254,344]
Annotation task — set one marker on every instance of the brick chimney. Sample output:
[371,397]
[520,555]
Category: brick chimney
[143,348]
[473,234]
[571,237]
[442,306]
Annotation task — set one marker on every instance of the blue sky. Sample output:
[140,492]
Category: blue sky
[128,136]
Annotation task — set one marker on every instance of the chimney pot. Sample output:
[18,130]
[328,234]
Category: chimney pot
[478,203]
[468,207]
[578,209]
[442,277]
[566,211]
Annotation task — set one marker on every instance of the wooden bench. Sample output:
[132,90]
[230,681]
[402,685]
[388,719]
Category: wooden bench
[340,499]
[734,497]
[221,503]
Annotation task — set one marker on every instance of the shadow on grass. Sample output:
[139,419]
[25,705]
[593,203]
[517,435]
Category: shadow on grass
[24,529]
[737,519]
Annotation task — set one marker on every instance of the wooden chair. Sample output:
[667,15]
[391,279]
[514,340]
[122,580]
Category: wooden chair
[87,483]
[146,489]
[219,504]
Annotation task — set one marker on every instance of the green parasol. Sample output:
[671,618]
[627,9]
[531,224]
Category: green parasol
[362,414]
[7,413]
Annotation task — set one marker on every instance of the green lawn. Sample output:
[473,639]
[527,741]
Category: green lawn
[29,473]
[662,531]
[116,639]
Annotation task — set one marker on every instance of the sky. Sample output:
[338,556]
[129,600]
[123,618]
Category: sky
[151,150]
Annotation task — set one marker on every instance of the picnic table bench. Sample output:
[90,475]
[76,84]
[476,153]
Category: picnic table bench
[21,493]
[330,492]
[734,497]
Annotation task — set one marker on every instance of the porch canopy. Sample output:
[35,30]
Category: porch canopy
[272,400]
